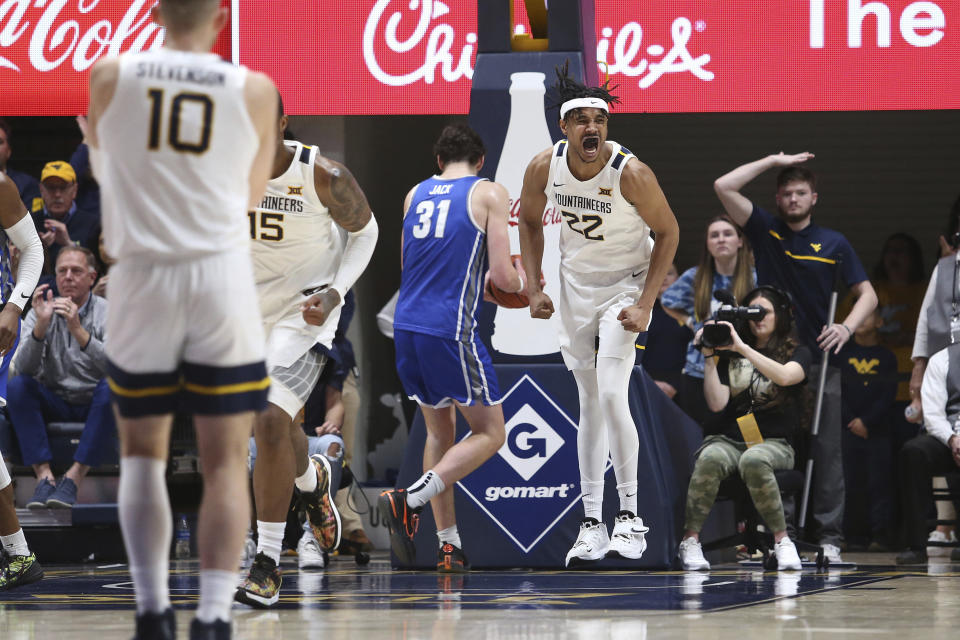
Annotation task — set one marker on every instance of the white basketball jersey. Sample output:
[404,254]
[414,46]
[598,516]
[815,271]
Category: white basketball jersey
[176,148]
[296,245]
[601,230]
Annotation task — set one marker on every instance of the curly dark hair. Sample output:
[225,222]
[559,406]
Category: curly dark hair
[569,88]
[458,142]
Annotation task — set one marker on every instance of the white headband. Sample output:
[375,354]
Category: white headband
[577,103]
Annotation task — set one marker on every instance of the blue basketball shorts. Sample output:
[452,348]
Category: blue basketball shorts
[439,371]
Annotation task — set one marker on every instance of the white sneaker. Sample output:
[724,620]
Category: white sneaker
[832,553]
[939,536]
[309,555]
[628,539]
[592,542]
[691,555]
[787,558]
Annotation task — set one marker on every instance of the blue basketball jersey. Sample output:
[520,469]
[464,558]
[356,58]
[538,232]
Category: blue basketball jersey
[444,261]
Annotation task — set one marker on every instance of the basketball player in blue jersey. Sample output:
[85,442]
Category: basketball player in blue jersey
[452,223]
[609,280]
[18,565]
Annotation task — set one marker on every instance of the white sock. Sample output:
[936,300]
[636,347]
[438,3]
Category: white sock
[628,496]
[147,526]
[270,538]
[451,535]
[428,486]
[216,594]
[592,499]
[308,481]
[15,544]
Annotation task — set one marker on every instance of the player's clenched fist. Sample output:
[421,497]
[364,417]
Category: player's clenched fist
[541,306]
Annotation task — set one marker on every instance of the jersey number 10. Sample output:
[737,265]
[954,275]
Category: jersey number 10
[174,135]
[426,209]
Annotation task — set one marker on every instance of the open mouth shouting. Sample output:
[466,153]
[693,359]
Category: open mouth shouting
[591,146]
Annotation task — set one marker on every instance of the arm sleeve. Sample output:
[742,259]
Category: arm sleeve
[30,352]
[920,349]
[934,397]
[24,235]
[356,256]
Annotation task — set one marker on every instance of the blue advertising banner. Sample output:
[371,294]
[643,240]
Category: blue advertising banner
[522,507]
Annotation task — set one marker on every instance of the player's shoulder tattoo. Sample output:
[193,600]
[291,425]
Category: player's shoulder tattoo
[346,201]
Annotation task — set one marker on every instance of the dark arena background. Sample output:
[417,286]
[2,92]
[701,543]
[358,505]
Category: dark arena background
[869,87]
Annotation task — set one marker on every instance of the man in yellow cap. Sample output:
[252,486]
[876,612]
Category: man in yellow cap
[61,223]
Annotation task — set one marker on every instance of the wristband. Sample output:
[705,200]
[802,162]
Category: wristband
[849,332]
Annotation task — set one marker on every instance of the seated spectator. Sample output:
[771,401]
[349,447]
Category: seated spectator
[665,350]
[333,406]
[309,553]
[725,263]
[934,453]
[61,222]
[868,375]
[62,377]
[27,185]
[757,383]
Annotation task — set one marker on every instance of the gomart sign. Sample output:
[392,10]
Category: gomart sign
[399,57]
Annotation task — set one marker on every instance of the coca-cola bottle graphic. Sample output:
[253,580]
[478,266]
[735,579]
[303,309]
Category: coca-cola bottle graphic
[514,331]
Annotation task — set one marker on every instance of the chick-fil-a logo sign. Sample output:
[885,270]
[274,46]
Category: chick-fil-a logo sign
[432,43]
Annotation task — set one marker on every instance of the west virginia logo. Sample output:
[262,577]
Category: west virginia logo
[865,367]
[295,191]
[606,192]
[816,246]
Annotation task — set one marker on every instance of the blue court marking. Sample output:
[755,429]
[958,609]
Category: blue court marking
[344,585]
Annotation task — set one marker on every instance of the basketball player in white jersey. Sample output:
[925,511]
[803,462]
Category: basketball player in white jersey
[610,202]
[303,270]
[18,566]
[181,143]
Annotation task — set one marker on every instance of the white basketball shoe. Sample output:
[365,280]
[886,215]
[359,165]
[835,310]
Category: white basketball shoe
[787,557]
[691,555]
[628,539]
[592,542]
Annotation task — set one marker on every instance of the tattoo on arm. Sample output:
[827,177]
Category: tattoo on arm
[348,205]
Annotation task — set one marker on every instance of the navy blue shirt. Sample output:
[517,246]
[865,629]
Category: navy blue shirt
[29,189]
[803,263]
[869,384]
[665,347]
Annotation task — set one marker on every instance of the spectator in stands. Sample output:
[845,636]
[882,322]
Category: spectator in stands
[665,349]
[62,377]
[868,374]
[934,453]
[757,382]
[88,191]
[27,185]
[61,222]
[333,406]
[725,263]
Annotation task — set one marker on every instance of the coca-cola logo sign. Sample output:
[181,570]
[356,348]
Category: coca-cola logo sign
[418,56]
[74,32]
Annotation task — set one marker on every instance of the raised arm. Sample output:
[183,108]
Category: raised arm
[640,187]
[728,186]
[491,202]
[533,200]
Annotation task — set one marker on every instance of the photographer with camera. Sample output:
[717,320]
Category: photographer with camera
[757,382]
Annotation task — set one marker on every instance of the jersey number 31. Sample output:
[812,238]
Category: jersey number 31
[426,209]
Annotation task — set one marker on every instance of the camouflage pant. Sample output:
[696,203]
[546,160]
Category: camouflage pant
[719,457]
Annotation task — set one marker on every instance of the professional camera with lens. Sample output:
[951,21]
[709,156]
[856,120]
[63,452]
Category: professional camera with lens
[718,335]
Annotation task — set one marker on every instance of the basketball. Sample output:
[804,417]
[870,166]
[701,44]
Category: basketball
[506,299]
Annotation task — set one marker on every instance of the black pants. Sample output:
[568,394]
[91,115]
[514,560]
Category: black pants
[920,460]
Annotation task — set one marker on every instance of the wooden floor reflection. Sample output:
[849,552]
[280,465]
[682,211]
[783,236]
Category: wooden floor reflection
[346,601]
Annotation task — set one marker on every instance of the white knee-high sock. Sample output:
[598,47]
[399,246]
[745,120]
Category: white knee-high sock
[270,538]
[592,443]
[613,378]
[147,527]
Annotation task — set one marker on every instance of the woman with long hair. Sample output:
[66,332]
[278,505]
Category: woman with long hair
[757,384]
[725,263]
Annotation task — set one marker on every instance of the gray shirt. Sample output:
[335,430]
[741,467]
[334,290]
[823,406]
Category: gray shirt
[58,362]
